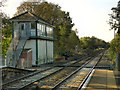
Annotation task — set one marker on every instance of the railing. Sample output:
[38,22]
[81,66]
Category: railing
[16,47]
[20,48]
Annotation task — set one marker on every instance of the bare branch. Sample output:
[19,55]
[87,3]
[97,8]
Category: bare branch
[2,3]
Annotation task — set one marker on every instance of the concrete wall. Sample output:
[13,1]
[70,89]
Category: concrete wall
[32,44]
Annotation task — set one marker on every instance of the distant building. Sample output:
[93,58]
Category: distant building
[33,33]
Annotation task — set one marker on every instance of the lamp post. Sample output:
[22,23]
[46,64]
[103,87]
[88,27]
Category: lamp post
[117,54]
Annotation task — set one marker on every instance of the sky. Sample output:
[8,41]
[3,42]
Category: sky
[89,16]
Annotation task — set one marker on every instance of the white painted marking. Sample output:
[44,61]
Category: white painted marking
[87,81]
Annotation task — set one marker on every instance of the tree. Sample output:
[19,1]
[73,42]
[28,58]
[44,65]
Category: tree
[114,20]
[6,33]
[26,6]
[2,3]
[115,24]
[92,43]
[73,41]
[114,48]
[115,44]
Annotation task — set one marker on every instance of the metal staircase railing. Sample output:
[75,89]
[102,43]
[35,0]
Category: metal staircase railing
[16,47]
[19,49]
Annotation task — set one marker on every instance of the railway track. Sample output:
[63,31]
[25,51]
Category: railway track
[77,79]
[25,76]
[57,77]
[10,73]
[36,77]
[19,84]
[26,80]
[53,81]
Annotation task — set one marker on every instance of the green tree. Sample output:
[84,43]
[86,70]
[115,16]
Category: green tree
[114,22]
[6,33]
[114,48]
[115,44]
[73,40]
[92,43]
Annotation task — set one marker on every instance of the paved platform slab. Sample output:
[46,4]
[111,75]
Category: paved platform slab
[102,80]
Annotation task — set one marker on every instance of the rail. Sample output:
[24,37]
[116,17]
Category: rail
[83,82]
[31,74]
[52,73]
[58,84]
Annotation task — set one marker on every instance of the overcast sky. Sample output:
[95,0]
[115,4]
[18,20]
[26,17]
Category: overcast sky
[89,16]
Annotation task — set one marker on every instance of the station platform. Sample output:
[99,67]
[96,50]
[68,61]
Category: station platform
[102,79]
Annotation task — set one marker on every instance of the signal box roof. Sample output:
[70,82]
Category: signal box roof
[28,16]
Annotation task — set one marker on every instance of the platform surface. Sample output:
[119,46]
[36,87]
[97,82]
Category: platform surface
[102,80]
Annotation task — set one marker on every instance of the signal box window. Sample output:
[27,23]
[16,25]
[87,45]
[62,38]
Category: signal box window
[22,27]
[32,25]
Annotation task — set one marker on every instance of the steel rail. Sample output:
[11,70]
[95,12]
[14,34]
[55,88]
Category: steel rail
[74,72]
[22,88]
[31,74]
[58,84]
[37,72]
[83,82]
[54,72]
[26,76]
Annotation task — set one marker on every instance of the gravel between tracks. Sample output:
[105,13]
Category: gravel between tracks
[76,79]
[32,79]
[54,79]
